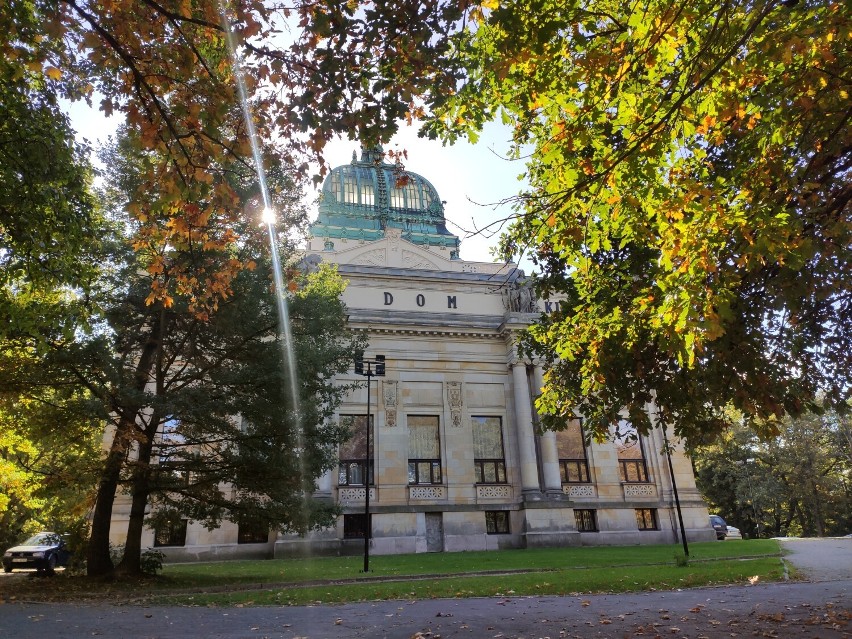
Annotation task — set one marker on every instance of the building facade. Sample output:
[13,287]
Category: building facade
[457,459]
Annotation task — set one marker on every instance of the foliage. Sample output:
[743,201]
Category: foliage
[688,166]
[151,561]
[689,186]
[190,382]
[48,457]
[794,484]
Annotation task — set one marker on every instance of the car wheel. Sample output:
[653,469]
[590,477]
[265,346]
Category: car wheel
[51,565]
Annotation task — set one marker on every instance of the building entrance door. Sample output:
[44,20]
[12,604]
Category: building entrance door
[434,532]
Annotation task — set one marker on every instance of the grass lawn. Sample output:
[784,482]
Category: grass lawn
[551,571]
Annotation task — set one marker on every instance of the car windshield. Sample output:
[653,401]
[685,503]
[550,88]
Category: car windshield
[42,539]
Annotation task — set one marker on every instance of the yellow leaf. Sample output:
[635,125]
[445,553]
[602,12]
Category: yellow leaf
[53,73]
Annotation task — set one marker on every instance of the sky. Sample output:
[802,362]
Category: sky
[471,179]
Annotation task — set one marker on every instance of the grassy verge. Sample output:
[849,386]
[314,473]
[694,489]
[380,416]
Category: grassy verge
[570,581]
[335,568]
[553,571]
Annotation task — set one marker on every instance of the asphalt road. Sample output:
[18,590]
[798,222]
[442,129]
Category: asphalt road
[814,609]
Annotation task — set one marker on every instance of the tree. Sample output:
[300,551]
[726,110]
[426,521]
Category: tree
[689,187]
[49,447]
[50,230]
[796,483]
[191,383]
[197,381]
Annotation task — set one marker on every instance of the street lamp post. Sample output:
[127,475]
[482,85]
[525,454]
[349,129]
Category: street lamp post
[674,490]
[369,368]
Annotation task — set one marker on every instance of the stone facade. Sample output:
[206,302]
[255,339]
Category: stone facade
[448,329]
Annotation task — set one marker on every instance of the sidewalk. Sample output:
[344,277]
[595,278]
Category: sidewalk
[797,609]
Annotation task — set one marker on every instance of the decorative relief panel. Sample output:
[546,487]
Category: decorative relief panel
[390,396]
[393,235]
[494,492]
[579,491]
[639,490]
[375,257]
[347,495]
[427,492]
[413,260]
[454,399]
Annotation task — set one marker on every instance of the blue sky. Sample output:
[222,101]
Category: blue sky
[471,179]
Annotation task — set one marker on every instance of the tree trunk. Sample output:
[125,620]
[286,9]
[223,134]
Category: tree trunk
[98,561]
[131,562]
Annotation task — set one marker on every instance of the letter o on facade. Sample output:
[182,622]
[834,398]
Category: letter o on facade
[420,299]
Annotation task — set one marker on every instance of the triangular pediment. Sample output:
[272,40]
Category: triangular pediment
[393,251]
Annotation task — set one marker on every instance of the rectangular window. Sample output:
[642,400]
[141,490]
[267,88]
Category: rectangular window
[646,518]
[571,448]
[366,194]
[253,532]
[171,534]
[587,520]
[424,450]
[350,186]
[631,457]
[354,526]
[497,522]
[353,453]
[489,463]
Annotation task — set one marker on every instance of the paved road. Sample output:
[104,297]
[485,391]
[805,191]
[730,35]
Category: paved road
[817,609]
[821,559]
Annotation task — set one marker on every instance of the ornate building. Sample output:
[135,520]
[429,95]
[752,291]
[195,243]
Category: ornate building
[458,459]
[459,462]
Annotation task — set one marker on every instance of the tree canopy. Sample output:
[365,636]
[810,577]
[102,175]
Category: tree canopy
[689,169]
[688,166]
[797,484]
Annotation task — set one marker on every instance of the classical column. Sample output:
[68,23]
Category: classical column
[549,452]
[525,432]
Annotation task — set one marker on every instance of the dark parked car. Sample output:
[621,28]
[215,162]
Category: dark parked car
[719,526]
[43,551]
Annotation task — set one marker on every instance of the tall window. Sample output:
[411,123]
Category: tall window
[489,463]
[424,450]
[646,518]
[172,448]
[631,457]
[353,452]
[573,465]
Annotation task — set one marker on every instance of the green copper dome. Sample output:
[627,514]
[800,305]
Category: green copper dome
[362,199]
